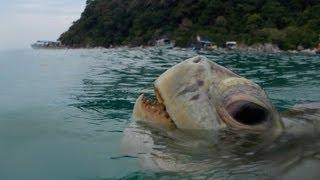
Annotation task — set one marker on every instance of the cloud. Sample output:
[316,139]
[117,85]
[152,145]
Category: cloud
[25,21]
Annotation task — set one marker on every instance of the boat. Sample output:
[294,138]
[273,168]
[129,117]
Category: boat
[47,45]
[164,43]
[204,44]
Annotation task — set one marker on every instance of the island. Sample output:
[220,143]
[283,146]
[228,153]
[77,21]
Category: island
[287,24]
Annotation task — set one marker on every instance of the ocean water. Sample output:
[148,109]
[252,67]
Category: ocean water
[63,112]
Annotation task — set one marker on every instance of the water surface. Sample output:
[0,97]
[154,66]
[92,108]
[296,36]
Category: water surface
[63,112]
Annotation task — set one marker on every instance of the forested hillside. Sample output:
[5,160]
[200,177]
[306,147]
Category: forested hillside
[287,23]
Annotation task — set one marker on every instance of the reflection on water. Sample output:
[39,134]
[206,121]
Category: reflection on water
[71,108]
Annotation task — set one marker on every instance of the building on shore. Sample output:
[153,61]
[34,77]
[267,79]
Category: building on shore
[231,45]
[318,48]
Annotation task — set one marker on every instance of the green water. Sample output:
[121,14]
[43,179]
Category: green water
[63,112]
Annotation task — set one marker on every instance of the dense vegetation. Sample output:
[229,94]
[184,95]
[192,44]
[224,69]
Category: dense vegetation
[287,23]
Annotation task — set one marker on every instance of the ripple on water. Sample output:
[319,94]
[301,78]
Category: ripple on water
[79,102]
[116,77]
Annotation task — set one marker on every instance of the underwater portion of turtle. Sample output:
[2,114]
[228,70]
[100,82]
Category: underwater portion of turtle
[206,119]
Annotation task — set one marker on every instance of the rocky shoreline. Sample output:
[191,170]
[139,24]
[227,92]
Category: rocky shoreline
[259,48]
[272,48]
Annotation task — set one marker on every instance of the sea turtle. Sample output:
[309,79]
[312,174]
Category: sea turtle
[208,121]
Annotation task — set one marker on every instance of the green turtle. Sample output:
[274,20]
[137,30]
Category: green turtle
[206,117]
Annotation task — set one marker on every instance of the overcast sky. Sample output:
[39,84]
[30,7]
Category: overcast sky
[23,22]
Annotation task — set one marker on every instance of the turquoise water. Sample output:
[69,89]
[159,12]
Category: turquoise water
[63,112]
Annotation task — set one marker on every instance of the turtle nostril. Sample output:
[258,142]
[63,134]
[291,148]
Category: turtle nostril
[247,113]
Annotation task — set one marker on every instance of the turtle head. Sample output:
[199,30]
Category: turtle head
[200,94]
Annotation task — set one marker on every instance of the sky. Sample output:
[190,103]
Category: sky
[23,22]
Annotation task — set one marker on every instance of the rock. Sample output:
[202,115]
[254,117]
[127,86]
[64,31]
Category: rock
[300,48]
[309,51]
[267,47]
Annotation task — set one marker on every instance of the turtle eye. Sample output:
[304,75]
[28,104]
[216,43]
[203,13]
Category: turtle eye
[247,113]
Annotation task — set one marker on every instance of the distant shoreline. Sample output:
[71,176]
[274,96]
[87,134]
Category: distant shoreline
[258,48]
[291,25]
